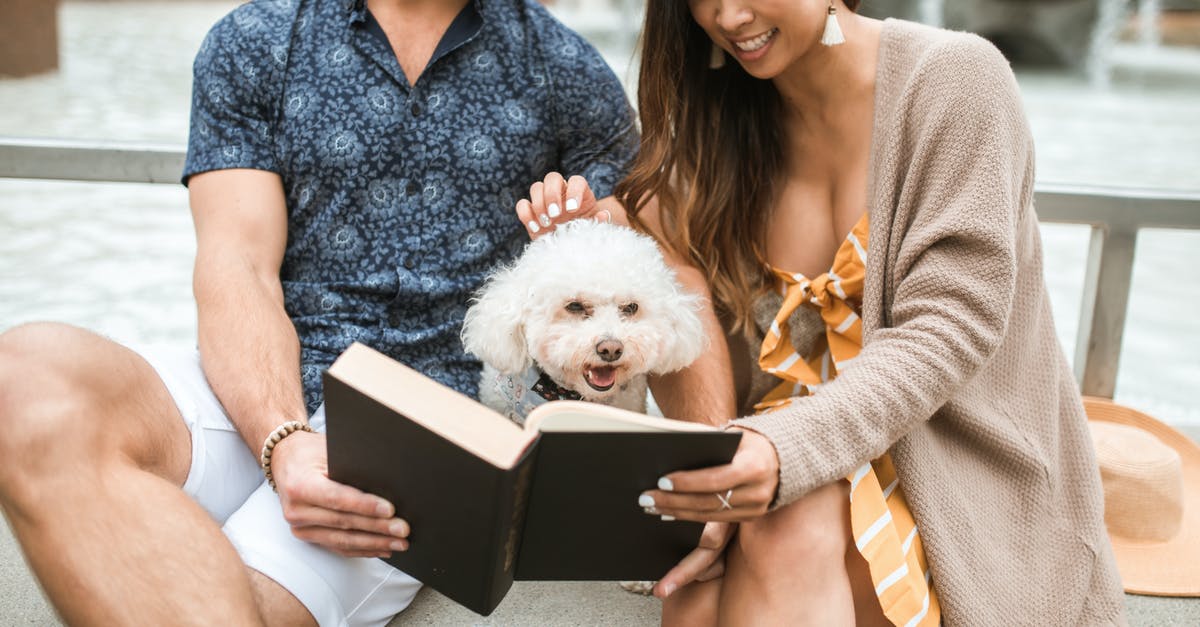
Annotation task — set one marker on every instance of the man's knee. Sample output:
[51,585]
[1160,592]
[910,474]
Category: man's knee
[42,407]
[33,380]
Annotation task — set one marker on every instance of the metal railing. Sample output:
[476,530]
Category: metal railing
[81,160]
[1115,216]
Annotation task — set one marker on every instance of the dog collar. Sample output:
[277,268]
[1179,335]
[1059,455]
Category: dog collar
[550,390]
[522,393]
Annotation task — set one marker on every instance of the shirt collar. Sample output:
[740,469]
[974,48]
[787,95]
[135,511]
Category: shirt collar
[356,10]
[462,29]
[465,26]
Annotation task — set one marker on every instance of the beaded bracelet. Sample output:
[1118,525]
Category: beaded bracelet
[277,436]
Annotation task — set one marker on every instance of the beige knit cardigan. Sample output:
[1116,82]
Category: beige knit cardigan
[961,376]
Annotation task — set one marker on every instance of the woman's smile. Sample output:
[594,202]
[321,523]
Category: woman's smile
[755,47]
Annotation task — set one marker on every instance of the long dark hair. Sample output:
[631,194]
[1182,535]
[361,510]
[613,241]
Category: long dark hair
[711,153]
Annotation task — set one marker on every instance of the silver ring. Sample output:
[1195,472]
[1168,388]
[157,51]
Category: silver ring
[725,504]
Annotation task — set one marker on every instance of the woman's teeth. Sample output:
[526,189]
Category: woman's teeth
[750,45]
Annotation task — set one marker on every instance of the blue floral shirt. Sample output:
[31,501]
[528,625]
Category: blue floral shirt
[400,197]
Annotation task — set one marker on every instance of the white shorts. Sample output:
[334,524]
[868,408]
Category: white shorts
[225,480]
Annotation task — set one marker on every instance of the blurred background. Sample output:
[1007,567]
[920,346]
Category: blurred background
[1111,87]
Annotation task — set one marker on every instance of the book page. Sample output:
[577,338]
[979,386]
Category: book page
[592,417]
[456,417]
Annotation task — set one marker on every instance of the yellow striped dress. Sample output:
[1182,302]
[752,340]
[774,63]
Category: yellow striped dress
[883,527]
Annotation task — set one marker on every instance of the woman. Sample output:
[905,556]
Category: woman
[856,196]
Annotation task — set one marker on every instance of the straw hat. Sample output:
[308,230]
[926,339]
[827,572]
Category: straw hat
[1151,476]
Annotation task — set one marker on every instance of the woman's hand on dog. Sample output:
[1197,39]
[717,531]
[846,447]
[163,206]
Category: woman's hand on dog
[319,510]
[741,490]
[556,200]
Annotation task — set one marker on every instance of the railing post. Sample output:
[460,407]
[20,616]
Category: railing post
[1105,302]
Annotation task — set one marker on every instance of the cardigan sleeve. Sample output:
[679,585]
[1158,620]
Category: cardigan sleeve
[965,163]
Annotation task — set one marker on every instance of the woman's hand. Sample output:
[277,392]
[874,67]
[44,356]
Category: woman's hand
[741,490]
[324,512]
[555,201]
[705,562]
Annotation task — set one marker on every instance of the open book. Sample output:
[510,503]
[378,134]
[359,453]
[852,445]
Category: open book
[490,501]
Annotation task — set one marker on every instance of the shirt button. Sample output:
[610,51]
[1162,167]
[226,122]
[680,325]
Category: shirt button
[409,264]
[416,109]
[412,188]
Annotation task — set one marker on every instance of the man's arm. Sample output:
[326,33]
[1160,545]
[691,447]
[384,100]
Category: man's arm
[251,356]
[248,345]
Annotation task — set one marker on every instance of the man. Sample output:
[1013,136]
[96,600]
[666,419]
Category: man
[352,166]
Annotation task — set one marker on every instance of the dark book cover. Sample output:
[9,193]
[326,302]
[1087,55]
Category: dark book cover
[461,509]
[584,521]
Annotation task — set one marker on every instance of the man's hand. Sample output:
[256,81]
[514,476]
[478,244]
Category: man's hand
[741,490]
[322,511]
[554,201]
[705,562]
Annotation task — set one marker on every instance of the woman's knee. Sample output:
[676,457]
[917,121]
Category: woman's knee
[813,530]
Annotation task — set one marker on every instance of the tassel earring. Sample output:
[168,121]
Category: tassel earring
[833,31]
[716,58]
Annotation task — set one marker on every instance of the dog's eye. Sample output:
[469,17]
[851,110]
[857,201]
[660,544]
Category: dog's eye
[629,309]
[575,307]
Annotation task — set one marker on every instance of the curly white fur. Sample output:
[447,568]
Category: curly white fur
[594,306]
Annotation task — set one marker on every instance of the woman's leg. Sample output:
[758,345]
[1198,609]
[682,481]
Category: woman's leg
[694,605]
[794,566]
[789,567]
[867,612]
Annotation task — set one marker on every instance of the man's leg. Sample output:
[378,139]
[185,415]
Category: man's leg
[276,605]
[94,453]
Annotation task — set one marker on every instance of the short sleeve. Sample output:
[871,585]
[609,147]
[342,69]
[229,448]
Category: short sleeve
[234,94]
[595,127]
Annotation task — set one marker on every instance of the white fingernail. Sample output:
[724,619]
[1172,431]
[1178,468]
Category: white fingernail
[572,205]
[646,500]
[665,484]
[533,227]
[553,210]
[544,220]
[668,517]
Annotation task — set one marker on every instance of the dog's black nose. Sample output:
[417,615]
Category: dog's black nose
[610,349]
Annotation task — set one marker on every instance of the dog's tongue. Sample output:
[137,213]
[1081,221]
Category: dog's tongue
[602,377]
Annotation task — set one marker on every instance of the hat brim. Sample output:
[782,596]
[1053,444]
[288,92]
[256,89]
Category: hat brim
[1170,568]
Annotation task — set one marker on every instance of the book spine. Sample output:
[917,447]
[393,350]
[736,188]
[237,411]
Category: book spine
[512,503]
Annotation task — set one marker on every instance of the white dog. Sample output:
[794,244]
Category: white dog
[585,313]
